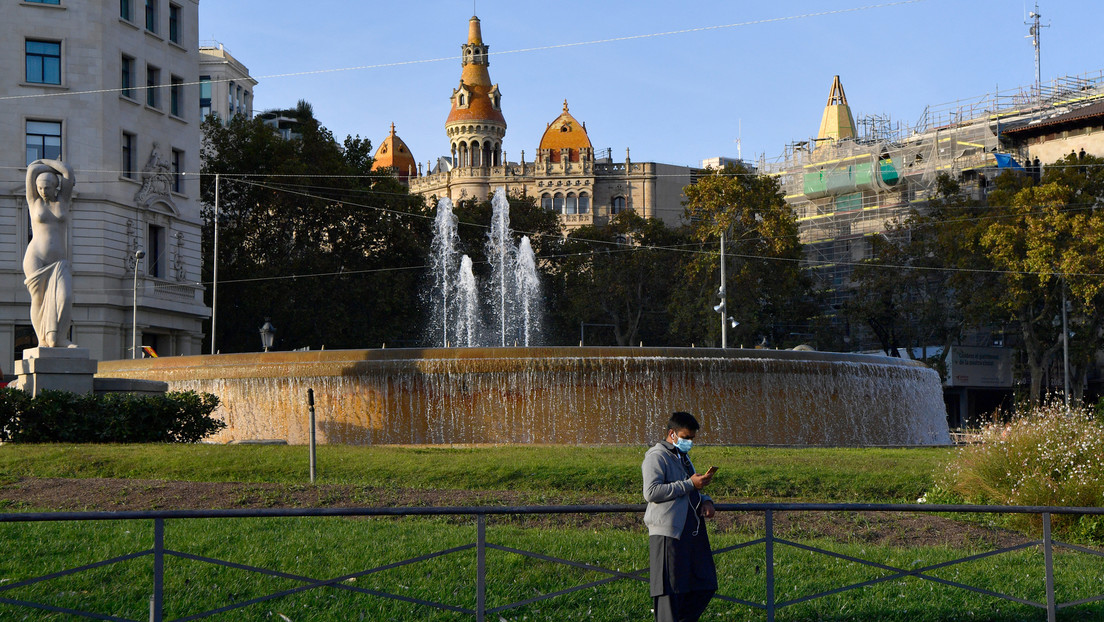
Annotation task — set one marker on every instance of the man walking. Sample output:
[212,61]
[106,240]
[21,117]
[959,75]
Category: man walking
[683,577]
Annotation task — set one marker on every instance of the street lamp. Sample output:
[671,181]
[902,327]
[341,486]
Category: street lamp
[138,255]
[268,334]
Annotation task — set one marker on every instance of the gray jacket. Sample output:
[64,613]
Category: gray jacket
[667,487]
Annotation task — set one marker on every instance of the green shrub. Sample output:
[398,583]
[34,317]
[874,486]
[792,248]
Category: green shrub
[1047,456]
[62,417]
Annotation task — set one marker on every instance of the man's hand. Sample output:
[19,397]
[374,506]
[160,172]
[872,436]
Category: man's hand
[700,481]
[707,509]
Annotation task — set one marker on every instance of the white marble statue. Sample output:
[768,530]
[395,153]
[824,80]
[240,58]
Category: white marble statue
[46,264]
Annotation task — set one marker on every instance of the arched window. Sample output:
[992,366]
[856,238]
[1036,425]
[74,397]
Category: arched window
[572,205]
[617,205]
[546,202]
[474,153]
[558,203]
[584,203]
[462,101]
[486,161]
[463,154]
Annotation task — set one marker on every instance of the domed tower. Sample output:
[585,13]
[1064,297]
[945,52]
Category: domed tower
[475,124]
[565,140]
[393,153]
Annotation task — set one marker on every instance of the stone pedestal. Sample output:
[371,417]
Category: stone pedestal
[56,369]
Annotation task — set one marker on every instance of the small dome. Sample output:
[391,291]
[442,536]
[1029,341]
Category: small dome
[566,132]
[393,153]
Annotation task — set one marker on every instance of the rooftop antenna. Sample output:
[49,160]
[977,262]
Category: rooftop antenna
[1034,32]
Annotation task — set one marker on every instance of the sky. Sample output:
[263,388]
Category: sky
[675,82]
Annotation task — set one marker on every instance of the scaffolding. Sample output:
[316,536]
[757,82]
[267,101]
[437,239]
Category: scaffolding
[845,191]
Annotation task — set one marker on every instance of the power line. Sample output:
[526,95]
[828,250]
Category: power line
[557,46]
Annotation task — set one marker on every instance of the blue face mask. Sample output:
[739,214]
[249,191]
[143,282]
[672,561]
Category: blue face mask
[683,444]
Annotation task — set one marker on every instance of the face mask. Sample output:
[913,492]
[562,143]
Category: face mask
[683,444]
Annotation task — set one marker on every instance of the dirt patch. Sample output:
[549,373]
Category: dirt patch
[889,529]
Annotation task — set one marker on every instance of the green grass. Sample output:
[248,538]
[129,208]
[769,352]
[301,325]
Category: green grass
[325,548]
[331,547]
[853,475]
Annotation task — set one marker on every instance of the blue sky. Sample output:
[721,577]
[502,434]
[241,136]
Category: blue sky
[675,98]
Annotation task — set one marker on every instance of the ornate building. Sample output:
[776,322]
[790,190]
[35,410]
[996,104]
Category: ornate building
[565,176]
[110,89]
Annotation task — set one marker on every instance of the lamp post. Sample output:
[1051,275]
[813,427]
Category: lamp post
[268,334]
[138,255]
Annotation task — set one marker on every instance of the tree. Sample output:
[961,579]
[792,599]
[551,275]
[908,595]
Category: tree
[904,290]
[766,291]
[622,275]
[1046,238]
[310,237]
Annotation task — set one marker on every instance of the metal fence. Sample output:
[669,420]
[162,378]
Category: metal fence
[769,605]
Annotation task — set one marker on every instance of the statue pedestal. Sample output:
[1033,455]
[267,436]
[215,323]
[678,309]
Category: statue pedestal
[55,369]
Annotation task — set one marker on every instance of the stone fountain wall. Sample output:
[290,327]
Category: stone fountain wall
[562,395]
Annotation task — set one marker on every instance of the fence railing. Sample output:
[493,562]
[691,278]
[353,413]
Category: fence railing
[769,605]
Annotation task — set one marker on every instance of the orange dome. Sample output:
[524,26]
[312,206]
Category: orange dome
[393,153]
[566,132]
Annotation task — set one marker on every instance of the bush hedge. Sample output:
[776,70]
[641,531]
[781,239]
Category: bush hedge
[1047,456]
[62,417]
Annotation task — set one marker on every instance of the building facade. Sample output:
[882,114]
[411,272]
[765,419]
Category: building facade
[225,86]
[110,88]
[565,175]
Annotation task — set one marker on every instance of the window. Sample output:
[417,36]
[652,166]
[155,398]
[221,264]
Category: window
[177,169]
[126,11]
[204,96]
[174,23]
[584,203]
[558,203]
[546,201]
[151,15]
[617,205]
[176,90]
[43,140]
[153,94]
[126,79]
[156,251]
[572,205]
[238,108]
[43,62]
[128,155]
[245,105]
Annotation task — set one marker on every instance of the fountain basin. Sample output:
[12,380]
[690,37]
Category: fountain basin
[561,395]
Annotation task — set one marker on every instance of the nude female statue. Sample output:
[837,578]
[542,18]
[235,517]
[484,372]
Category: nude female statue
[46,264]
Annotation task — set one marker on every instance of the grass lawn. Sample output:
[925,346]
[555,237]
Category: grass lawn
[852,475]
[333,547]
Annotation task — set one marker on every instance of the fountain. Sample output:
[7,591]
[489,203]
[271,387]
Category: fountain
[512,293]
[564,395]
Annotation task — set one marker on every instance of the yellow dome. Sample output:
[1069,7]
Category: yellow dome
[393,153]
[566,132]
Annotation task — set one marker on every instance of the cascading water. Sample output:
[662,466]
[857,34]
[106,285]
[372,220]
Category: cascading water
[565,395]
[468,325]
[503,259]
[443,258]
[527,284]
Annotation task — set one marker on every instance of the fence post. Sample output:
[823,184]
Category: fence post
[310,403]
[481,568]
[1048,559]
[157,599]
[769,563]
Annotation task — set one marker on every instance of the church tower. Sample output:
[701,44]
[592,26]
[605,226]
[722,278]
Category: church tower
[475,124]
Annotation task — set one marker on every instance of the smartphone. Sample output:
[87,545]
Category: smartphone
[711,471]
